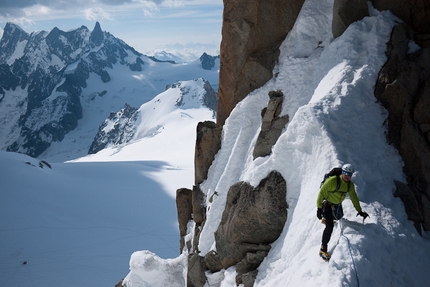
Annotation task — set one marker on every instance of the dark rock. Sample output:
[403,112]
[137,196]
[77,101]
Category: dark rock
[346,12]
[207,61]
[208,143]
[7,79]
[137,66]
[252,219]
[97,35]
[425,211]
[414,13]
[210,98]
[196,271]
[199,210]
[248,279]
[213,261]
[403,89]
[411,204]
[271,126]
[185,211]
[250,262]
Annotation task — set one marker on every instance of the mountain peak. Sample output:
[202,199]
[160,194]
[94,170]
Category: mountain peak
[12,36]
[13,30]
[97,36]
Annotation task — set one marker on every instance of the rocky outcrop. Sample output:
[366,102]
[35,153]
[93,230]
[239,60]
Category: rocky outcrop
[403,88]
[252,32]
[196,271]
[184,208]
[271,126]
[252,219]
[122,129]
[208,142]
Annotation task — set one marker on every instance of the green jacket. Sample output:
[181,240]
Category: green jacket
[327,192]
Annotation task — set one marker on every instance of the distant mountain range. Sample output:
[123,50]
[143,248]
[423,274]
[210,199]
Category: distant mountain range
[52,83]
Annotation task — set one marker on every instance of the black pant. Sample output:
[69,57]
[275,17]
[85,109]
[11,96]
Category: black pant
[329,221]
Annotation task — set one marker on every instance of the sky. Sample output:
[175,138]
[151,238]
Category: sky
[334,119]
[146,25]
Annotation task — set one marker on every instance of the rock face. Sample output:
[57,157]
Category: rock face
[248,51]
[403,88]
[346,12]
[414,13]
[271,126]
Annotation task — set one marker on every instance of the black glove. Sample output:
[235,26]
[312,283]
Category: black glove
[320,213]
[363,214]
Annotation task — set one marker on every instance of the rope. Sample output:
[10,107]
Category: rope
[350,253]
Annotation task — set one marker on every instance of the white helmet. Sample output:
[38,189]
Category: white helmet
[347,168]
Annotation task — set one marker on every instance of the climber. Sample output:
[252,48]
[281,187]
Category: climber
[329,203]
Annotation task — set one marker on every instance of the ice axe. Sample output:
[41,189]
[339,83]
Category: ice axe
[364,214]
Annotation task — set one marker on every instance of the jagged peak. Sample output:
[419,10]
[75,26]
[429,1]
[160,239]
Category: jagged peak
[97,27]
[12,28]
[97,36]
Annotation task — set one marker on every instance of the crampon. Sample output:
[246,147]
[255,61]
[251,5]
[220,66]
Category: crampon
[324,255]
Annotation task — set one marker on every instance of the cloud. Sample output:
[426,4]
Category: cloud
[149,8]
[173,3]
[23,21]
[96,14]
[18,7]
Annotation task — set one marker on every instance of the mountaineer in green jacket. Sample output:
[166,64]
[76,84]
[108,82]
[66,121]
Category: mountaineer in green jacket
[329,203]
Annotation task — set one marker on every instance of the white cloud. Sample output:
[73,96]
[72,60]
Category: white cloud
[96,14]
[149,8]
[23,21]
[37,10]
[173,3]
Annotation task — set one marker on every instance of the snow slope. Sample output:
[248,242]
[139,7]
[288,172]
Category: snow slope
[334,119]
[78,223]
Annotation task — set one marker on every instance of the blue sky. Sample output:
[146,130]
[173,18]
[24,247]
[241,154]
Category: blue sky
[146,25]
